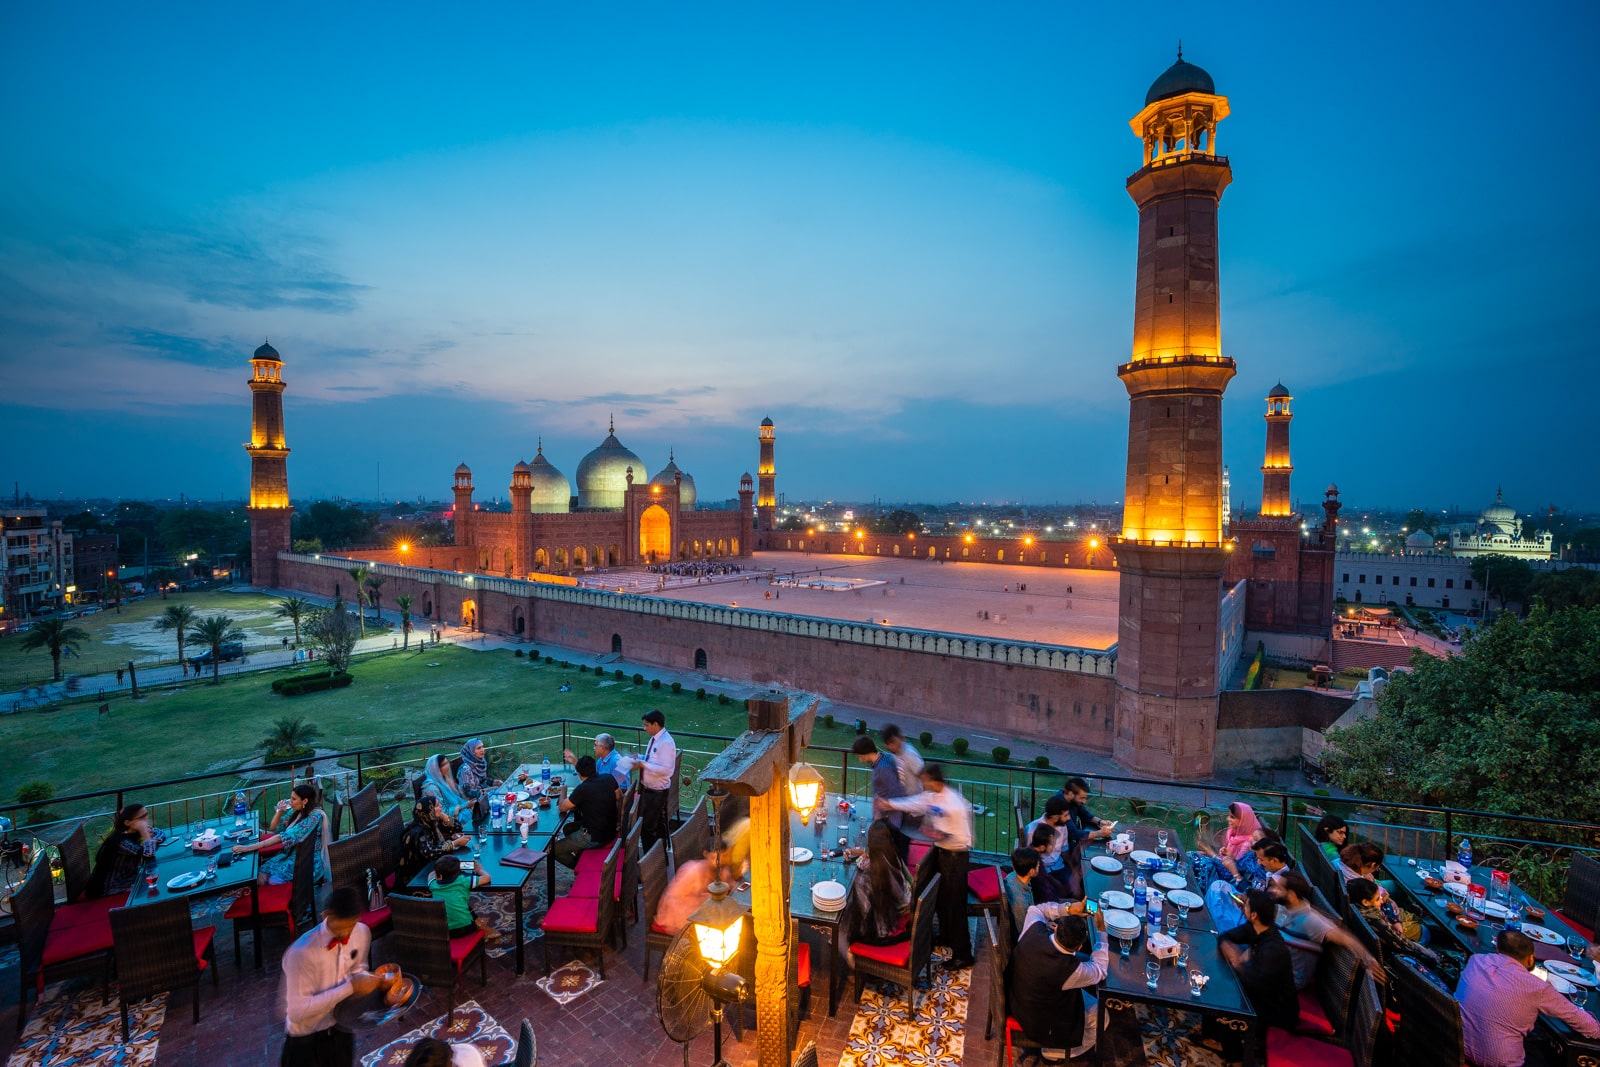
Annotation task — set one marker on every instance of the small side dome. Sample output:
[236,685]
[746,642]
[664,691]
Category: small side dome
[766,422]
[1278,391]
[522,468]
[746,482]
[552,492]
[1420,540]
[266,351]
[669,476]
[463,469]
[1178,79]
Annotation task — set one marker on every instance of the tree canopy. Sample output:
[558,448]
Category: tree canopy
[1509,725]
[334,525]
[898,521]
[1506,578]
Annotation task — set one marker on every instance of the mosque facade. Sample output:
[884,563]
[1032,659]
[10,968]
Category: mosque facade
[1499,531]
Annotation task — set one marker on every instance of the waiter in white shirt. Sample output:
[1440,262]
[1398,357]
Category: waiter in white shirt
[656,768]
[326,965]
[947,823]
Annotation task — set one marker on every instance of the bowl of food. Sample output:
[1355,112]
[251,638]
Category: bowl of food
[386,973]
[1453,909]
[1466,923]
[1433,884]
[400,992]
[1534,912]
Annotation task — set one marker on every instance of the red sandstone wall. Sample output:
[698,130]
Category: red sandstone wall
[980,550]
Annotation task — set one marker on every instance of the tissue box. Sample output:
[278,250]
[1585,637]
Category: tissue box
[1161,947]
[1454,872]
[206,844]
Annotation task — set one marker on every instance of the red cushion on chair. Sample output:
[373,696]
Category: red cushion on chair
[576,915]
[1314,1022]
[586,884]
[897,955]
[373,919]
[1577,927]
[461,947]
[918,850]
[803,957]
[274,899]
[1292,1049]
[270,850]
[592,859]
[984,882]
[388,880]
[202,942]
[71,942]
[657,928]
[86,911]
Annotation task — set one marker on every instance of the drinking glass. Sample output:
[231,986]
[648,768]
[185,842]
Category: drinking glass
[1152,974]
[1127,879]
[1577,947]
[1183,954]
[1197,984]
[1124,944]
[1183,913]
[1161,840]
[1170,921]
[211,869]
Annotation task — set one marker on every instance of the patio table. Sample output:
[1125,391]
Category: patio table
[174,857]
[507,878]
[1144,837]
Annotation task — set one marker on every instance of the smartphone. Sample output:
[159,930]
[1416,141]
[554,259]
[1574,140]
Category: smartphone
[1091,906]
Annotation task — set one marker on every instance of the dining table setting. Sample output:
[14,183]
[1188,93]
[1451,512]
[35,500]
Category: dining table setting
[197,859]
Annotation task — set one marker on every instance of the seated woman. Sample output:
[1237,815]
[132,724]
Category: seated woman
[1220,862]
[305,818]
[440,782]
[1333,833]
[1387,920]
[881,892]
[431,834]
[473,779]
[131,843]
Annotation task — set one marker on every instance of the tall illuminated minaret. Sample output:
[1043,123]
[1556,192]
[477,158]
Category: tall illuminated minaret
[767,481]
[1171,552]
[269,509]
[1276,468]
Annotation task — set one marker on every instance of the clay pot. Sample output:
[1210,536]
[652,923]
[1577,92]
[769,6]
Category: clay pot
[1453,908]
[400,992]
[1466,923]
[1534,913]
[1433,884]
[386,974]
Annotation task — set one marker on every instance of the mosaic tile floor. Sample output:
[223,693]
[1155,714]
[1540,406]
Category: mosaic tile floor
[471,1026]
[72,1027]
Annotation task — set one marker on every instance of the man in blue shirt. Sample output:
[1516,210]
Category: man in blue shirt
[605,759]
[886,785]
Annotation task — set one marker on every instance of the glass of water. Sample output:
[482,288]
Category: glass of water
[1183,954]
[1127,879]
[1170,921]
[1577,948]
[1183,913]
[1152,974]
[1161,840]
[1124,947]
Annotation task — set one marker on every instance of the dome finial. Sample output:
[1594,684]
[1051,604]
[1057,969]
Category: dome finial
[1180,49]
[671,455]
[613,428]
[541,444]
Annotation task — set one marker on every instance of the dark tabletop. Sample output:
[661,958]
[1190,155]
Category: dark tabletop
[1144,837]
[1223,994]
[174,857]
[819,837]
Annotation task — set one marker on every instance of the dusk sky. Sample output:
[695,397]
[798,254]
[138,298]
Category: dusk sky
[901,232]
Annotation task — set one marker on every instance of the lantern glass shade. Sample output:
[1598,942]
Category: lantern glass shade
[718,924]
[805,790]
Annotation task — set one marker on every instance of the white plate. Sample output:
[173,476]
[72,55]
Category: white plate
[1122,921]
[1168,880]
[828,892]
[1116,900]
[1495,910]
[1558,983]
[1185,899]
[800,855]
[187,880]
[1139,855]
[520,794]
[1543,934]
[1455,888]
[1105,864]
[1571,972]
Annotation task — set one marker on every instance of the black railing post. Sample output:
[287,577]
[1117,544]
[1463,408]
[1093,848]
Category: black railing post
[844,772]
[1283,822]
[1449,835]
[360,781]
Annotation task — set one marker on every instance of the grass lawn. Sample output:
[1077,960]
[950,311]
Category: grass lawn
[114,638]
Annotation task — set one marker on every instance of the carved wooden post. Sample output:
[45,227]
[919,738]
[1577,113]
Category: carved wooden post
[769,905]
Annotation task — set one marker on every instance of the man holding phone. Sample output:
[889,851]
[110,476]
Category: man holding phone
[1051,977]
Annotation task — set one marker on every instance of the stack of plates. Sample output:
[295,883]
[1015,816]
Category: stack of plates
[828,896]
[1122,924]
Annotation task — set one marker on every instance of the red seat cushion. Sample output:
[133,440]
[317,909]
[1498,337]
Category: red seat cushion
[586,884]
[985,884]
[461,947]
[592,859]
[803,956]
[270,850]
[1314,1022]
[202,943]
[575,915]
[918,850]
[388,880]
[1577,927]
[897,955]
[1292,1049]
[373,919]
[87,911]
[657,928]
[72,942]
[274,900]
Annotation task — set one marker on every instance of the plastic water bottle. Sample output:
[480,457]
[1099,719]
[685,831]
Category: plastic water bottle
[544,771]
[497,809]
[1139,893]
[1464,854]
[1154,914]
[241,810]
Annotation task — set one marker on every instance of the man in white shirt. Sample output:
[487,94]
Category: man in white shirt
[947,823]
[326,965]
[656,768]
[1047,963]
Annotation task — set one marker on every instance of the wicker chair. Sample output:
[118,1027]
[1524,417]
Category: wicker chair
[43,947]
[160,951]
[1320,872]
[351,861]
[391,829]
[902,962]
[363,806]
[422,945]
[1360,1038]
[584,922]
[999,1016]
[527,1047]
[690,839]
[808,1056]
[290,906]
[1019,811]
[675,793]
[628,884]
[1429,1031]
[77,871]
[1580,905]
[1325,1007]
[335,808]
[653,879]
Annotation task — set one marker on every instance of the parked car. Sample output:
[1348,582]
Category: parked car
[231,651]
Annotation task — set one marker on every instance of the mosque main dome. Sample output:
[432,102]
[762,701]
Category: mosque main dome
[686,490]
[552,492]
[603,477]
[1500,515]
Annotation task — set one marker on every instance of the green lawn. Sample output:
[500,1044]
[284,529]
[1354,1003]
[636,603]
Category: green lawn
[114,638]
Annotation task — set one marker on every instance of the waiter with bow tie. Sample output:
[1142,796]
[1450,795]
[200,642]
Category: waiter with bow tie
[326,965]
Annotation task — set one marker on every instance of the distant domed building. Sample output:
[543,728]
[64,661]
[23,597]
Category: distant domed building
[1420,542]
[1499,531]
[603,474]
[671,475]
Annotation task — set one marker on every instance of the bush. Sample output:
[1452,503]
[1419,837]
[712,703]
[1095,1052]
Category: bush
[583,668]
[677,687]
[1001,754]
[655,683]
[925,738]
[35,793]
[960,744]
[638,679]
[722,698]
[618,675]
[1041,761]
[301,684]
[518,653]
[827,720]
[700,694]
[533,653]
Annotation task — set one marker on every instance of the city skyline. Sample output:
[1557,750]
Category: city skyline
[906,240]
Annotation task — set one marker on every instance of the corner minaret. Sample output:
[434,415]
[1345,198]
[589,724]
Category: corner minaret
[462,515]
[767,484]
[1276,468]
[1171,552]
[269,510]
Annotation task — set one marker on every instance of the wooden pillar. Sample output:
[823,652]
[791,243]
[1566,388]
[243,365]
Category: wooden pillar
[769,906]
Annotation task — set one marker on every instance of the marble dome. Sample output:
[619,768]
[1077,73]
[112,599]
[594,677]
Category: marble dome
[686,490]
[602,475]
[552,492]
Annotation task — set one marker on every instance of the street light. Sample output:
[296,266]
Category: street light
[805,790]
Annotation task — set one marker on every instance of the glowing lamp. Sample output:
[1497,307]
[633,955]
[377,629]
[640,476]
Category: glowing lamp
[860,534]
[718,924]
[1094,542]
[805,790]
[1027,540]
[405,546]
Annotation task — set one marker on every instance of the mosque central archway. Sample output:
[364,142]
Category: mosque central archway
[655,534]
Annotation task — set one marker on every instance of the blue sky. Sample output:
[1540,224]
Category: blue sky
[900,232]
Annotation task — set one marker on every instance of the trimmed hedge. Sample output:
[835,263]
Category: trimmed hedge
[1001,754]
[960,744]
[700,694]
[618,675]
[638,679]
[1041,761]
[677,687]
[655,683]
[301,684]
[925,738]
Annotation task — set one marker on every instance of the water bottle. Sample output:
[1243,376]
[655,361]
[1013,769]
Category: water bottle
[544,771]
[1154,914]
[497,809]
[1139,892]
[241,810]
[1464,854]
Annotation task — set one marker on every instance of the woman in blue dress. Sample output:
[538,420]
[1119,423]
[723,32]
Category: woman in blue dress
[440,782]
[306,818]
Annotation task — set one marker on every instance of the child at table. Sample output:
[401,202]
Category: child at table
[446,884]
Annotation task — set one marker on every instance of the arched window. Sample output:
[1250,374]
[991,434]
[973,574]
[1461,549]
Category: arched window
[700,659]
[616,644]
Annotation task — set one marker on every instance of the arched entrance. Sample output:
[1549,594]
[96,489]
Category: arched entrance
[427,606]
[616,644]
[541,560]
[469,614]
[561,559]
[613,557]
[655,533]
[699,659]
[518,623]
[580,558]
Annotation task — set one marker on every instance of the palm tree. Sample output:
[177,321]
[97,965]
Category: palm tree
[214,631]
[288,739]
[114,592]
[360,576]
[295,609]
[404,602]
[374,583]
[55,635]
[180,618]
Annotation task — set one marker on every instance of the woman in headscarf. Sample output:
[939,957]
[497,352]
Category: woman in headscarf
[306,818]
[131,843]
[438,781]
[1234,843]
[473,779]
[431,834]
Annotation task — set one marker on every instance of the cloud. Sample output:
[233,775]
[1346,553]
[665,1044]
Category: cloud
[198,351]
[233,269]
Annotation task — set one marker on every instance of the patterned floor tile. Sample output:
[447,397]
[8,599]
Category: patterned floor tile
[884,1034]
[71,1027]
[1172,1039]
[472,1026]
[569,982]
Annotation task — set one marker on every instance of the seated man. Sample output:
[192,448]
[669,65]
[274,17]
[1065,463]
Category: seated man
[606,759]
[1082,824]
[1048,888]
[1305,929]
[1050,976]
[1261,867]
[1055,818]
[1500,1001]
[1018,886]
[593,803]
[1258,955]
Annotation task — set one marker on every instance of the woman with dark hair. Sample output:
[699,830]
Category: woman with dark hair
[439,781]
[1368,900]
[305,818]
[131,842]
[432,1052]
[1333,833]
[1230,859]
[431,834]
[881,892]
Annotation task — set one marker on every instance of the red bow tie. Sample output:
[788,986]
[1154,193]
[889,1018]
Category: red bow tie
[335,942]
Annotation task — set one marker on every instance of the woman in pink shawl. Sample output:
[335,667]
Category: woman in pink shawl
[1242,830]
[1230,860]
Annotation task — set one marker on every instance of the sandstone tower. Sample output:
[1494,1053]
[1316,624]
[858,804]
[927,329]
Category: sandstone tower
[1171,550]
[1276,468]
[767,484]
[270,512]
